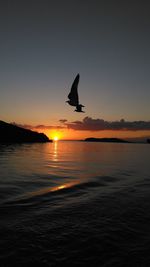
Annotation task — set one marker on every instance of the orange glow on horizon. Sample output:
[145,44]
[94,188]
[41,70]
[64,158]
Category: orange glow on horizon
[69,134]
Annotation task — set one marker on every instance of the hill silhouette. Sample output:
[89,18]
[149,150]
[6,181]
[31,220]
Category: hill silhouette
[10,133]
[111,140]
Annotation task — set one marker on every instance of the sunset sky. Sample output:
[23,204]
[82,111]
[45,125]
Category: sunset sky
[45,43]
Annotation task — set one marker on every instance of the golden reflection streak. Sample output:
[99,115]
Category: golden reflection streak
[55,154]
[46,190]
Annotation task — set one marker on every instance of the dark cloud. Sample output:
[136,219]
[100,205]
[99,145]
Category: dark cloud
[25,126]
[39,127]
[89,124]
[48,127]
[63,120]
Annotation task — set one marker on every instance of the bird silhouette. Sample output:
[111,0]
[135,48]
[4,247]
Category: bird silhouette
[79,108]
[73,95]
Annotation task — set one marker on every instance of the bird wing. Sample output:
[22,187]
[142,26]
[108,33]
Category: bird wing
[73,95]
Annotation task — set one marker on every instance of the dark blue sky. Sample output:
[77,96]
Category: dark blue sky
[44,44]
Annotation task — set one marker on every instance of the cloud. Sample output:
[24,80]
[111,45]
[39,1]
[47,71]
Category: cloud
[48,127]
[63,120]
[89,124]
[39,127]
[25,126]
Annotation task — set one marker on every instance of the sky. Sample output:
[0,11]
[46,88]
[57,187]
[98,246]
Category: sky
[45,44]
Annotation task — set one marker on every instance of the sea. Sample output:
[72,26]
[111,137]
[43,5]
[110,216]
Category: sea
[74,203]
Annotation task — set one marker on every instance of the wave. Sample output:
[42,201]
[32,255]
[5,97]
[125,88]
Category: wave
[60,192]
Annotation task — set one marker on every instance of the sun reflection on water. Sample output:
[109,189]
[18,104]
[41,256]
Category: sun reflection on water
[47,190]
[55,152]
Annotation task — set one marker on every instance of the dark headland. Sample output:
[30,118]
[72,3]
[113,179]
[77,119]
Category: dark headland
[10,133]
[110,140]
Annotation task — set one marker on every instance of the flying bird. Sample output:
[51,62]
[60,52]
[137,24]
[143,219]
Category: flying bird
[73,95]
[79,108]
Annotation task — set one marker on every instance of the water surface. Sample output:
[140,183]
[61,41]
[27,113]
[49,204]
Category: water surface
[75,203]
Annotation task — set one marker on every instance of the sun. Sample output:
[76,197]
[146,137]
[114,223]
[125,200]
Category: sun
[55,138]
[55,135]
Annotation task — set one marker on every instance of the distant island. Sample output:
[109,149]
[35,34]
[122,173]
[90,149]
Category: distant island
[110,140]
[148,141]
[10,133]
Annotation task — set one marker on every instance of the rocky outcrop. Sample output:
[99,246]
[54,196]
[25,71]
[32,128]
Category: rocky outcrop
[10,133]
[111,140]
